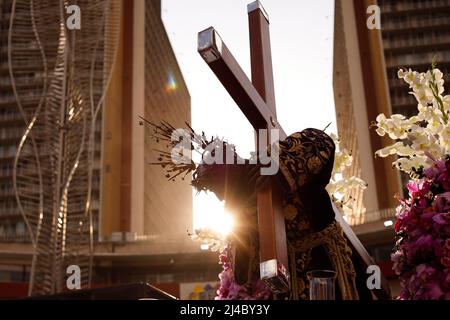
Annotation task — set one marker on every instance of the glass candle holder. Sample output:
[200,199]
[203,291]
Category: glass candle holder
[321,284]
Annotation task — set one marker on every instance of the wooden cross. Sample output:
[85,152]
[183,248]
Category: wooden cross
[256,99]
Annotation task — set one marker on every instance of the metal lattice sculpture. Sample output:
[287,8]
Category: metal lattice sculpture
[54,168]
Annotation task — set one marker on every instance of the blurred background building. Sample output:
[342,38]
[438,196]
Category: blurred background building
[365,81]
[413,33]
[140,219]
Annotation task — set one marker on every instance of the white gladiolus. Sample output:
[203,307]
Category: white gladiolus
[411,164]
[444,139]
[446,101]
[397,148]
[339,187]
[423,135]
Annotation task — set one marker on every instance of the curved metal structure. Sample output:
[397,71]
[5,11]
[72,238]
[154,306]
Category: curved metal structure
[56,165]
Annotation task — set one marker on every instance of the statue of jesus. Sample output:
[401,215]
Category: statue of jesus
[315,239]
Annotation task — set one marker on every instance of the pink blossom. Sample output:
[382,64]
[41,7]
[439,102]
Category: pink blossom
[417,190]
[422,256]
[435,169]
[397,257]
[424,271]
[230,290]
[442,202]
[433,290]
[444,180]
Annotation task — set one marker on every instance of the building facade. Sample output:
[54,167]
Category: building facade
[413,32]
[366,62]
[147,213]
[361,93]
[139,219]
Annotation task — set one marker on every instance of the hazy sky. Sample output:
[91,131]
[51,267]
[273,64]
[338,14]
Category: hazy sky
[302,55]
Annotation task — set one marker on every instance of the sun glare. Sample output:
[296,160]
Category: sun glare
[171,84]
[210,213]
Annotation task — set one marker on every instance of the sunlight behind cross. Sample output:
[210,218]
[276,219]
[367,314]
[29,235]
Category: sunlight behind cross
[209,212]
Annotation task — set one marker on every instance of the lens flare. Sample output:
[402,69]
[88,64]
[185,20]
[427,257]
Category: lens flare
[171,84]
[210,213]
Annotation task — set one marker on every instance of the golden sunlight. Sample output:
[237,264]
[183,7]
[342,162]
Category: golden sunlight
[209,213]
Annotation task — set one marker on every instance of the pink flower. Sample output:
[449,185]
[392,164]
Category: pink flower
[435,169]
[445,259]
[417,190]
[230,290]
[397,257]
[424,271]
[441,202]
[444,180]
[420,248]
[433,290]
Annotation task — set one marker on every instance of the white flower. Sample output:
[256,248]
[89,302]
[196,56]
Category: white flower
[444,138]
[446,101]
[342,160]
[396,126]
[438,80]
[409,76]
[421,141]
[426,133]
[397,148]
[434,120]
[408,165]
[397,117]
[423,94]
[342,186]
[401,73]
[339,187]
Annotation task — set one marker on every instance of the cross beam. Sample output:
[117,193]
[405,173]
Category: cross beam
[216,54]
[256,99]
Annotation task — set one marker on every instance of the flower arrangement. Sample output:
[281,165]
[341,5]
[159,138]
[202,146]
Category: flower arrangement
[422,143]
[230,290]
[425,137]
[422,251]
[339,187]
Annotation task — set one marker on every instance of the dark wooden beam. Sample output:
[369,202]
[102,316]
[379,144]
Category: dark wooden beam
[230,74]
[271,225]
[260,53]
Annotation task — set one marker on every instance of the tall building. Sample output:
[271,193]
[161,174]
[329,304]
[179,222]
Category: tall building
[12,226]
[145,210]
[366,62]
[139,219]
[361,93]
[54,82]
[413,32]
